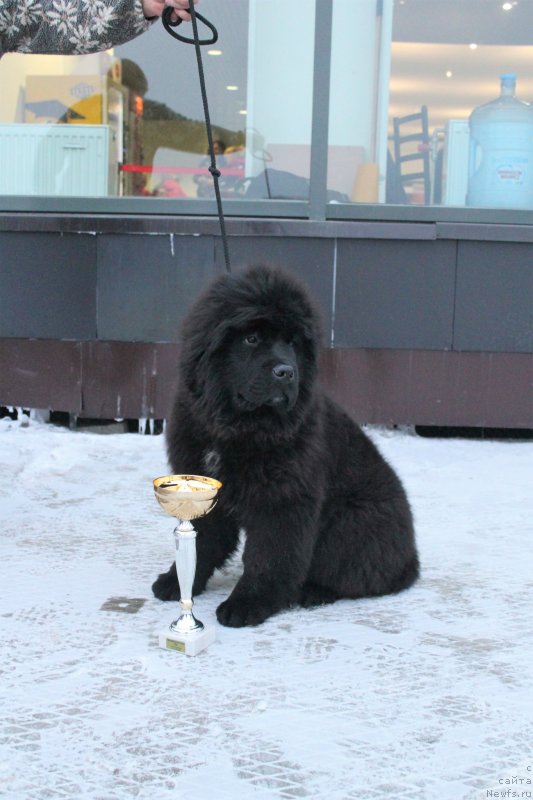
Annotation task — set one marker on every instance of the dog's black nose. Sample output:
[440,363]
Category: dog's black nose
[283,372]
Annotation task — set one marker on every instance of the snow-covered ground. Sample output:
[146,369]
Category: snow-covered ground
[428,694]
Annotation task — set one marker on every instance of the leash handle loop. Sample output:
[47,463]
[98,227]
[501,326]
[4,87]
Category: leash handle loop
[169,25]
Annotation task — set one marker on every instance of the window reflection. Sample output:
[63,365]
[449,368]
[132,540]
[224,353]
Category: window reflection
[145,97]
[406,76]
[447,57]
[402,96]
[165,154]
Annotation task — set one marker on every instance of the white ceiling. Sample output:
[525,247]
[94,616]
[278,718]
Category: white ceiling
[463,21]
[418,77]
[434,64]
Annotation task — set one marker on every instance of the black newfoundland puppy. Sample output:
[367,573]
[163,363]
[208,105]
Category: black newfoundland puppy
[325,516]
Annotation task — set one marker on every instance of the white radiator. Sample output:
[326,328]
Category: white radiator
[71,160]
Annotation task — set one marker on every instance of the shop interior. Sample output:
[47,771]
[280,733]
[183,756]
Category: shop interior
[107,124]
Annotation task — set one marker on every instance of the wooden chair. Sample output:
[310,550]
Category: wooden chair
[411,151]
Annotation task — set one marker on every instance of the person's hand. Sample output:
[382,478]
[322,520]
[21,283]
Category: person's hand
[154,8]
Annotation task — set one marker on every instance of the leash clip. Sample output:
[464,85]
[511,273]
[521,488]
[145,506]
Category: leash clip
[169,25]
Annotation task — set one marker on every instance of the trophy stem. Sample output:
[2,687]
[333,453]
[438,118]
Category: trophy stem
[185,536]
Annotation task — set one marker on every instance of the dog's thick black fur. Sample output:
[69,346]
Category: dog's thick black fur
[325,516]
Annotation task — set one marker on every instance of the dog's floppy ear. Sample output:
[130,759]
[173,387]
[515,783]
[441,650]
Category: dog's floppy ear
[195,357]
[203,330]
[191,356]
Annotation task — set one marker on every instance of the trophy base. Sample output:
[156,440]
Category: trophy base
[190,644]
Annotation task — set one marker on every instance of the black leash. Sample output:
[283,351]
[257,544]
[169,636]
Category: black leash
[197,42]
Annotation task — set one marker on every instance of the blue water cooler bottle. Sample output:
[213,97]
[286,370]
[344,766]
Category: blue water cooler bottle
[500,169]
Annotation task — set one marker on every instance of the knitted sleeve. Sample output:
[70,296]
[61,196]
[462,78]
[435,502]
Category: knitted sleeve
[68,27]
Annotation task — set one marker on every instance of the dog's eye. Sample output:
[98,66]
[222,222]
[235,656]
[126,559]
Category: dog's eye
[252,339]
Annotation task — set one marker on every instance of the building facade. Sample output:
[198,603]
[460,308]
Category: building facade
[349,153]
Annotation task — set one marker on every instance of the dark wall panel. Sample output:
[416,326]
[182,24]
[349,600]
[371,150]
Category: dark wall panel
[47,285]
[397,294]
[107,380]
[402,307]
[122,379]
[146,284]
[430,388]
[41,374]
[494,307]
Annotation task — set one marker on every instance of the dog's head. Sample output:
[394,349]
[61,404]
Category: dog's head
[250,348]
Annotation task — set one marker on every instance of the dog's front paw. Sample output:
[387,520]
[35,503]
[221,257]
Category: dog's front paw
[166,587]
[236,613]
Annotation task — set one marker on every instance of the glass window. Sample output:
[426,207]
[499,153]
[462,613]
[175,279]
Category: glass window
[402,127]
[359,64]
[407,119]
[130,122]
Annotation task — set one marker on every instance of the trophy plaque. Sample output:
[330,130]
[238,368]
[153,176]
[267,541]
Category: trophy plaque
[186,497]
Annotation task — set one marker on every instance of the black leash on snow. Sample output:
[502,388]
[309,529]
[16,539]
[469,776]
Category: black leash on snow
[197,42]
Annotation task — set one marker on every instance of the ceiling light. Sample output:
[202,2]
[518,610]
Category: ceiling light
[243,111]
[449,73]
[473,46]
[231,88]
[508,6]
[214,52]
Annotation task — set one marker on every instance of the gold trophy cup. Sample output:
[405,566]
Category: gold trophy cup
[186,497]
